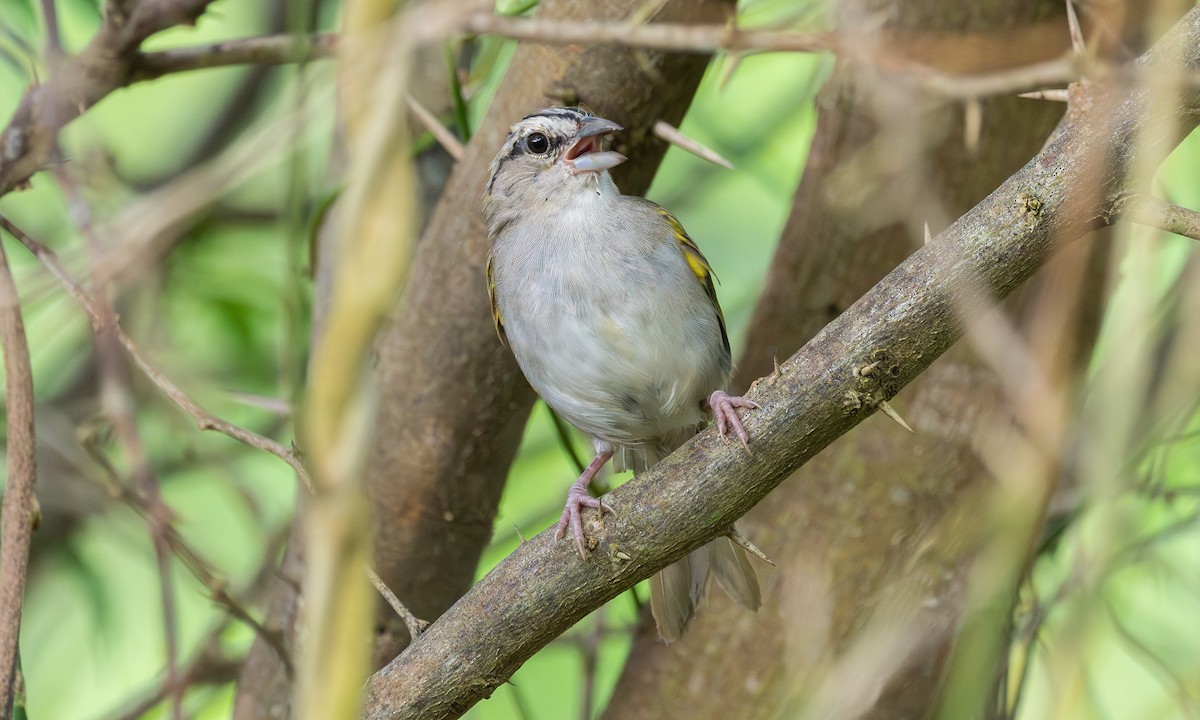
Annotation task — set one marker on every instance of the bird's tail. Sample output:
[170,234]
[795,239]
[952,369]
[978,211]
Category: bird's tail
[676,591]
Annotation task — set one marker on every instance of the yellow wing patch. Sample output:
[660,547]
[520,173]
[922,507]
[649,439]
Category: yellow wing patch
[691,251]
[497,321]
[699,265]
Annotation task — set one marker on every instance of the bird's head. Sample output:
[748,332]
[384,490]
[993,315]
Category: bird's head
[548,156]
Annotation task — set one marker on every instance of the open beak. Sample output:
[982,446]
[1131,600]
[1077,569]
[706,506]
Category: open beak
[587,155]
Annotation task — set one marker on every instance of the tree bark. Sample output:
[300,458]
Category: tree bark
[873,516]
[452,402]
[898,328]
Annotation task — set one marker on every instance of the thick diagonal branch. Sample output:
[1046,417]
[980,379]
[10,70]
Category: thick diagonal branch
[906,321]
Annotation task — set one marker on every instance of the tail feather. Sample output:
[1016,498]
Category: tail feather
[671,601]
[732,569]
[677,590]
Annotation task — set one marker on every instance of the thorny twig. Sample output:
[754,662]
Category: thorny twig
[415,625]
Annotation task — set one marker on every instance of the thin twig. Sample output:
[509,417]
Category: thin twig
[116,392]
[415,625]
[657,36]
[1147,210]
[157,524]
[19,507]
[1002,82]
[263,50]
[53,39]
[209,666]
[716,38]
[445,138]
[216,585]
[204,420]
[209,578]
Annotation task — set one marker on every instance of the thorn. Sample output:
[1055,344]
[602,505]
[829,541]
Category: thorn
[518,531]
[928,234]
[891,412]
[671,134]
[1077,44]
[732,61]
[743,542]
[775,362]
[444,137]
[1053,95]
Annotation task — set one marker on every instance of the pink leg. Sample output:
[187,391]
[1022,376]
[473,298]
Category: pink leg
[578,498]
[724,410]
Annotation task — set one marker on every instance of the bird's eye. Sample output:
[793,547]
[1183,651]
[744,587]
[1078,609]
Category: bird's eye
[538,143]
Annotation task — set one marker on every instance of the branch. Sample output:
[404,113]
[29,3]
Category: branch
[716,38]
[107,63]
[20,505]
[415,625]
[1151,211]
[910,318]
[112,61]
[265,50]
[677,37]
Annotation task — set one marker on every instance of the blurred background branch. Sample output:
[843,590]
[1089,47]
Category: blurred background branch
[20,511]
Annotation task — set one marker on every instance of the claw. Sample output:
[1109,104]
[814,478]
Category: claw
[577,499]
[572,517]
[724,410]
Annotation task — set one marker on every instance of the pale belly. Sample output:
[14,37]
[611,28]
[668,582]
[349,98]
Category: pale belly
[626,368]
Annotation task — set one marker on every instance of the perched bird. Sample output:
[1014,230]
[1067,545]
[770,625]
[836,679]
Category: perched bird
[610,310]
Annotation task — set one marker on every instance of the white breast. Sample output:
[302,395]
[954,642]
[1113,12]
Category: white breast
[606,319]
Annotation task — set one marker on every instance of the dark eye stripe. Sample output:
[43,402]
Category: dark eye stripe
[518,148]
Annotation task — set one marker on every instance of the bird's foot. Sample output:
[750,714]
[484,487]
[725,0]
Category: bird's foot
[724,409]
[577,499]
